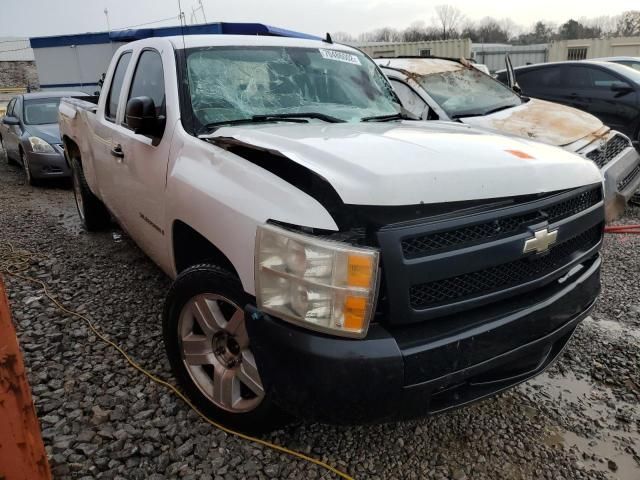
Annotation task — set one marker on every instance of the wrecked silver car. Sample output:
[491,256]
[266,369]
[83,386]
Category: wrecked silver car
[446,89]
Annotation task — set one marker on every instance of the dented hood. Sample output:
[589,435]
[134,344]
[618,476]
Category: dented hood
[407,163]
[546,122]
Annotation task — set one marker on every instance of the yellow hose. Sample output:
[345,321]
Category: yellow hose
[14,262]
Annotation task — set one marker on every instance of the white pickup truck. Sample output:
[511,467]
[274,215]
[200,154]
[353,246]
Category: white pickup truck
[332,258]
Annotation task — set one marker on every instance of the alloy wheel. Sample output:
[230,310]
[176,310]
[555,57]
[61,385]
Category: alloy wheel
[215,351]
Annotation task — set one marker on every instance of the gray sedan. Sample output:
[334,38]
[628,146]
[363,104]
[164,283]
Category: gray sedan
[29,135]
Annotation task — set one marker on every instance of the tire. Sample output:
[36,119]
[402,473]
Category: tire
[27,170]
[5,153]
[218,372]
[93,214]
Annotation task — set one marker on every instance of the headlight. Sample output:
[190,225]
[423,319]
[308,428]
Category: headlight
[319,284]
[38,145]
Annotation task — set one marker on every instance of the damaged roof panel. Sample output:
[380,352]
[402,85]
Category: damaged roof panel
[421,66]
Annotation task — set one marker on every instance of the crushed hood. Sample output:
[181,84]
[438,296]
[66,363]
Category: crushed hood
[546,122]
[407,163]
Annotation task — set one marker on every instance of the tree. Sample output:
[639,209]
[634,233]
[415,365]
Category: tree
[574,29]
[607,24]
[629,24]
[490,31]
[343,37]
[570,30]
[448,17]
[542,33]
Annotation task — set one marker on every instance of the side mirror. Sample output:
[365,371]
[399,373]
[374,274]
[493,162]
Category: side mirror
[141,117]
[10,120]
[621,88]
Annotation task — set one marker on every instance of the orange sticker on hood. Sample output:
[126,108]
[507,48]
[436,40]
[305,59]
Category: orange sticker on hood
[521,154]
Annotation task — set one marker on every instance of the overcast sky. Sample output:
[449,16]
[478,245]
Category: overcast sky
[55,17]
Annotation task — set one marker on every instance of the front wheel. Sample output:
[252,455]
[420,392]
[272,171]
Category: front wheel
[27,169]
[209,351]
[93,214]
[4,152]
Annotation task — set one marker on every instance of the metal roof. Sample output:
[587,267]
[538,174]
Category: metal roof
[14,49]
[120,36]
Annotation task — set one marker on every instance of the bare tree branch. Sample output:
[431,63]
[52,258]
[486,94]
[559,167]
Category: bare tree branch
[449,18]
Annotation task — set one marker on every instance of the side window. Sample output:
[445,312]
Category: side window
[111,108]
[10,107]
[410,99]
[576,77]
[602,79]
[148,80]
[17,108]
[528,80]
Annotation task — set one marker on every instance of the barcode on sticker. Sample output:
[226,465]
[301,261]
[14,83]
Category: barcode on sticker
[339,56]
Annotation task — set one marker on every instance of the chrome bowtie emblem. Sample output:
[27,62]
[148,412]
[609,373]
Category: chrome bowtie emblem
[541,241]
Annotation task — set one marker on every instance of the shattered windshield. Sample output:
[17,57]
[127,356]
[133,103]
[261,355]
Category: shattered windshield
[230,84]
[468,92]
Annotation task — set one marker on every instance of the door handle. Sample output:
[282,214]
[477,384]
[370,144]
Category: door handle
[117,151]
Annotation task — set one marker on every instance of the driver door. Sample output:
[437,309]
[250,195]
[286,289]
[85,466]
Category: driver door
[512,83]
[141,168]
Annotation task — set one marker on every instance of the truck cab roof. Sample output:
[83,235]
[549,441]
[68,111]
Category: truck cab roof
[179,42]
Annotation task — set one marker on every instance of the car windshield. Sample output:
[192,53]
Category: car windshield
[230,84]
[40,111]
[629,73]
[468,92]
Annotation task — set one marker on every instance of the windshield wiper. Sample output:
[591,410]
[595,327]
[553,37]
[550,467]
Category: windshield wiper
[298,117]
[497,109]
[254,119]
[276,117]
[482,114]
[403,115]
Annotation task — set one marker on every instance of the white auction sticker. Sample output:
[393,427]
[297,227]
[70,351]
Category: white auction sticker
[339,56]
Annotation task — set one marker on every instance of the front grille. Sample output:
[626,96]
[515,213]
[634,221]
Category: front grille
[429,244]
[624,183]
[502,277]
[602,156]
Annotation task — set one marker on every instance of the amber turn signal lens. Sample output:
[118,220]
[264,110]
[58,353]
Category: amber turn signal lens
[359,272]
[355,312]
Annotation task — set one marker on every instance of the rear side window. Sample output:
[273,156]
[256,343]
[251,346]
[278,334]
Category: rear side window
[534,80]
[410,99]
[148,80]
[111,109]
[576,77]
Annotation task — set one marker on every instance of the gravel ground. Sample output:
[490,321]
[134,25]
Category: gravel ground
[101,419]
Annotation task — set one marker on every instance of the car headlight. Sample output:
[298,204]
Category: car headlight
[319,284]
[38,145]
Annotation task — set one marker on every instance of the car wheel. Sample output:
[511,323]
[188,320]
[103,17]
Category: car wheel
[93,214]
[209,351]
[24,159]
[3,151]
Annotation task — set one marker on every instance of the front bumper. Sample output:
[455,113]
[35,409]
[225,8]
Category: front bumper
[49,165]
[408,371]
[621,181]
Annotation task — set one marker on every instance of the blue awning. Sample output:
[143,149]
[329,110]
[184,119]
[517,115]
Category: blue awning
[130,35]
